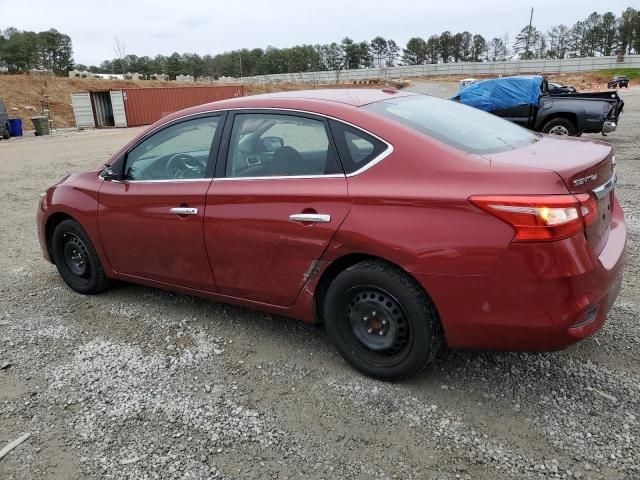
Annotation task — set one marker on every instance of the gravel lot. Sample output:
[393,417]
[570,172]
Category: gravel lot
[138,383]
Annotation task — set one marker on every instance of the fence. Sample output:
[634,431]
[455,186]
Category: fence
[510,67]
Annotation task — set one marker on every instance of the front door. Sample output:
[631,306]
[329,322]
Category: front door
[274,206]
[151,222]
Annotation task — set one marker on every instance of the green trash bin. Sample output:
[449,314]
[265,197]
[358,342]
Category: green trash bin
[41,124]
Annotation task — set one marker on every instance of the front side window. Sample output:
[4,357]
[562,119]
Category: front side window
[180,151]
[462,127]
[267,145]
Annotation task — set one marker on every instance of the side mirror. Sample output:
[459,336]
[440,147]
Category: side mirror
[110,174]
[271,144]
[115,170]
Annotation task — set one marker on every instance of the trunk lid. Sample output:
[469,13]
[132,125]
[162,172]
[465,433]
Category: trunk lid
[585,166]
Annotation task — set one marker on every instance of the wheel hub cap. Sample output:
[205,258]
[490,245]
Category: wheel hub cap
[559,130]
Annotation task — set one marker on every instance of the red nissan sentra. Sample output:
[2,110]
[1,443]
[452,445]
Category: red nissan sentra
[400,221]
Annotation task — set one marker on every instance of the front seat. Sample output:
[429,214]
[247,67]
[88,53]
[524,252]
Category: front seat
[286,161]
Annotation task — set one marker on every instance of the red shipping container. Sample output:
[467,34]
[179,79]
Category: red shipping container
[145,106]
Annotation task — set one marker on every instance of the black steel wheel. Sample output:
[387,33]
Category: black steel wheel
[76,259]
[378,322]
[76,256]
[381,321]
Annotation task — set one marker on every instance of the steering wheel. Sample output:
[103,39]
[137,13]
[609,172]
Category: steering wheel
[182,165]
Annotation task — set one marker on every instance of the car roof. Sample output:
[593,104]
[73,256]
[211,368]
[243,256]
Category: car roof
[354,97]
[350,96]
[321,101]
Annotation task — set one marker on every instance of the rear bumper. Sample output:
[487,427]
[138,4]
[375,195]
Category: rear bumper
[538,297]
[608,127]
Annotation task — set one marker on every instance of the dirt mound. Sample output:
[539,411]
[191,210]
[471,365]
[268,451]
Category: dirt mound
[27,96]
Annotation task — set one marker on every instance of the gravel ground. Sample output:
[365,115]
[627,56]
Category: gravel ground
[137,383]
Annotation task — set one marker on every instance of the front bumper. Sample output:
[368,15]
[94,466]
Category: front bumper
[538,296]
[41,219]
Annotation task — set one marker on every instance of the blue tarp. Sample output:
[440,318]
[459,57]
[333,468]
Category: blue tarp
[500,93]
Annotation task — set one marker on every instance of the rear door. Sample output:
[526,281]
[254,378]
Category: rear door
[151,222]
[277,200]
[520,114]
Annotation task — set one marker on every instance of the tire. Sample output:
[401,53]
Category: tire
[77,260]
[560,126]
[5,132]
[381,321]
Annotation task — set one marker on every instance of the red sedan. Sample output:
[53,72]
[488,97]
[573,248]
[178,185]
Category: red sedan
[400,221]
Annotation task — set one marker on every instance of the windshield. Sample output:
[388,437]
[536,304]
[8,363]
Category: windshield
[459,126]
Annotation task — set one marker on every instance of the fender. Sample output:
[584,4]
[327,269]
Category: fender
[77,197]
[559,108]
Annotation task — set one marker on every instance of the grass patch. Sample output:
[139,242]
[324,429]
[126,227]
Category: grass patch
[632,73]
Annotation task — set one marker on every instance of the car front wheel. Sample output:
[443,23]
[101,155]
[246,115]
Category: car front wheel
[76,259]
[381,321]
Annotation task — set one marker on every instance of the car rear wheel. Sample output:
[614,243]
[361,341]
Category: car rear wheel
[559,126]
[381,321]
[5,132]
[76,259]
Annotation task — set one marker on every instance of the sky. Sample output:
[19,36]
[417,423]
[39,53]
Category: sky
[149,27]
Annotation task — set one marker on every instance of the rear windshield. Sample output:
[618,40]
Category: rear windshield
[460,126]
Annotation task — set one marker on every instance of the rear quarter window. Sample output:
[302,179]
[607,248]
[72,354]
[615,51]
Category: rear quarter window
[356,148]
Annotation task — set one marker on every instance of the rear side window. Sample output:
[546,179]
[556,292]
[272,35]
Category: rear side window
[355,147]
[275,145]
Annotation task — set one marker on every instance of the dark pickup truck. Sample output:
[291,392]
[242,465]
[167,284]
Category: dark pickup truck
[526,100]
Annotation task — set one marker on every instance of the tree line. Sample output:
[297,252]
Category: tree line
[597,34]
[21,51]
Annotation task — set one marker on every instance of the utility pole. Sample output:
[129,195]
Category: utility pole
[240,55]
[529,32]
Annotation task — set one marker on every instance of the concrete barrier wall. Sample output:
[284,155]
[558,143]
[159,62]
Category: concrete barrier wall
[511,67]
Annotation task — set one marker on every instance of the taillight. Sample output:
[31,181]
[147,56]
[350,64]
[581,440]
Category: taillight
[540,217]
[589,208]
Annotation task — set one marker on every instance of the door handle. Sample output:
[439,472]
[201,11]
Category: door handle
[184,211]
[310,217]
